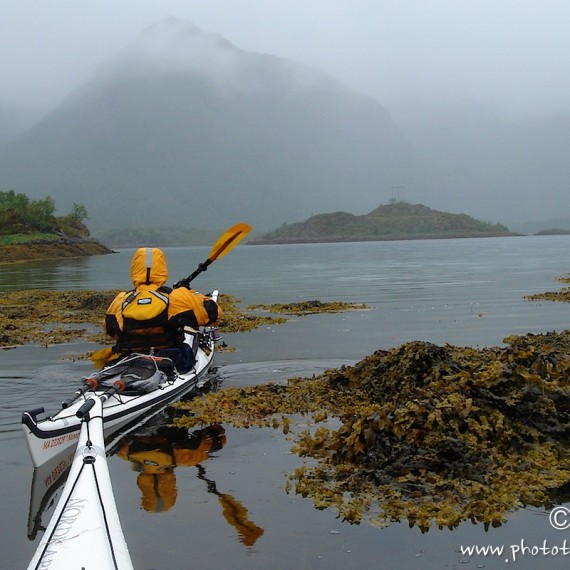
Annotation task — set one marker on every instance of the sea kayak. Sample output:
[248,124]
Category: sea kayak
[85,530]
[47,437]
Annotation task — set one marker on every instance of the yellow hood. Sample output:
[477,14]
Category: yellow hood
[148,267]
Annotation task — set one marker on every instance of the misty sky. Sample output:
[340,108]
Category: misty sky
[512,56]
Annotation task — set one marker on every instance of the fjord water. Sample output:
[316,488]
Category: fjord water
[464,292]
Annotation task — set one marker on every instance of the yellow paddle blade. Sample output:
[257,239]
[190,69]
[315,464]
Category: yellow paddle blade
[101,357]
[228,240]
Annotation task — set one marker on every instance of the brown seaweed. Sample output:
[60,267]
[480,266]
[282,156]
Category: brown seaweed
[435,435]
[48,317]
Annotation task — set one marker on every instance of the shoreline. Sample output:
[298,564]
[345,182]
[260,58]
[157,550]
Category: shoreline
[355,239]
[64,249]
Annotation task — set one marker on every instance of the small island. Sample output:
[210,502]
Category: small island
[398,220]
[30,230]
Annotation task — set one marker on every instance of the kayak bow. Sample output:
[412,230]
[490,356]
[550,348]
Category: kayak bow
[85,531]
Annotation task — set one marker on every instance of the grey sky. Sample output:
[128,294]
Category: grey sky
[513,56]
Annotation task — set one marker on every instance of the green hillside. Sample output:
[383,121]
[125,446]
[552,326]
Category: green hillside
[397,220]
[23,220]
[29,229]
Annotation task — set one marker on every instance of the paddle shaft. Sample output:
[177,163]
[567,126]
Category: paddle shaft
[186,281]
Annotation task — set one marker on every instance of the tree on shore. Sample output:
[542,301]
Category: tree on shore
[20,214]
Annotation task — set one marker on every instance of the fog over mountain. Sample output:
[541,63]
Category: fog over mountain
[521,163]
[184,126]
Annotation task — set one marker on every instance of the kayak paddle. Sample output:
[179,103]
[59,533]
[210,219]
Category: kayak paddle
[225,243]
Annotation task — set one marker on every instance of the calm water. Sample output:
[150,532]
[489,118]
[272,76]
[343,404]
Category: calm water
[464,292]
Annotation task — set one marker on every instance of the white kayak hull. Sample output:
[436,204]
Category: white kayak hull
[85,531]
[50,436]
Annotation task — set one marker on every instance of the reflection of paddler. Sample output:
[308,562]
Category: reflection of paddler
[234,512]
[156,456]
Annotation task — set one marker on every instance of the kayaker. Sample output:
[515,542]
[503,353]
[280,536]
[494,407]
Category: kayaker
[150,318]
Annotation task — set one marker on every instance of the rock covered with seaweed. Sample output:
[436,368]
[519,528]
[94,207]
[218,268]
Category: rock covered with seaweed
[424,433]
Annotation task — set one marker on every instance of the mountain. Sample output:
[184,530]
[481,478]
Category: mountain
[182,127]
[397,220]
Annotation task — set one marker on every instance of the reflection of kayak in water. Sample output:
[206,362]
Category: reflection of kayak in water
[155,455]
[47,480]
